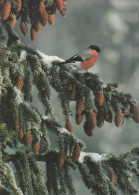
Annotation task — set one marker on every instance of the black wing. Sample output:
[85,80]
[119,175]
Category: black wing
[75,58]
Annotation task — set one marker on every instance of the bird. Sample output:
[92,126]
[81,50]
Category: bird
[83,60]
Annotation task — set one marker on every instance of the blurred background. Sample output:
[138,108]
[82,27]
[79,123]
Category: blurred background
[113,25]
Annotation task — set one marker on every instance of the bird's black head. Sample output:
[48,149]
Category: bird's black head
[94,47]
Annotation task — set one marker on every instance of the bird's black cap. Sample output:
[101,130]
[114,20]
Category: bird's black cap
[94,47]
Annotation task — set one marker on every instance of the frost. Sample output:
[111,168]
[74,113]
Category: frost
[49,59]
[23,55]
[18,98]
[93,156]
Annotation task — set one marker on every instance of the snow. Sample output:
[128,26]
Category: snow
[18,95]
[23,55]
[49,59]
[63,130]
[45,118]
[94,156]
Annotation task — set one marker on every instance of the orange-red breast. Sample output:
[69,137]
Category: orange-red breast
[83,60]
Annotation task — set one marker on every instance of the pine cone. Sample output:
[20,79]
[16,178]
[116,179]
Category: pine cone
[76,153]
[20,83]
[33,34]
[61,5]
[119,118]
[80,105]
[21,134]
[91,117]
[134,111]
[100,98]
[28,138]
[68,126]
[61,158]
[16,124]
[79,118]
[44,18]
[14,20]
[41,8]
[24,28]
[18,5]
[100,119]
[108,116]
[6,9]
[113,178]
[37,26]
[51,19]
[36,147]
[72,96]
[88,128]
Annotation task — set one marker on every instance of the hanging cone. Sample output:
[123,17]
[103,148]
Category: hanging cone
[18,5]
[16,124]
[28,138]
[91,117]
[21,134]
[108,116]
[44,18]
[61,5]
[24,28]
[72,95]
[20,82]
[134,111]
[14,20]
[113,178]
[41,8]
[51,19]
[100,119]
[37,26]
[79,118]
[119,118]
[33,34]
[76,153]
[88,128]
[36,147]
[68,126]
[61,158]
[100,98]
[80,105]
[6,9]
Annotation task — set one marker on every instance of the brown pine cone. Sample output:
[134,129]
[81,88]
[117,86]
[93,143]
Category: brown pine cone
[100,119]
[37,26]
[72,96]
[79,118]
[113,178]
[16,124]
[6,9]
[41,8]
[44,18]
[51,19]
[14,20]
[28,138]
[36,147]
[134,111]
[119,118]
[100,98]
[20,82]
[108,116]
[76,153]
[18,5]
[33,34]
[24,28]
[88,128]
[61,158]
[68,126]
[80,105]
[91,117]
[61,5]
[21,134]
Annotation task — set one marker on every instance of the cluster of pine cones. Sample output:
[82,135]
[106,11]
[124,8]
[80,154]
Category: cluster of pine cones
[98,117]
[41,13]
